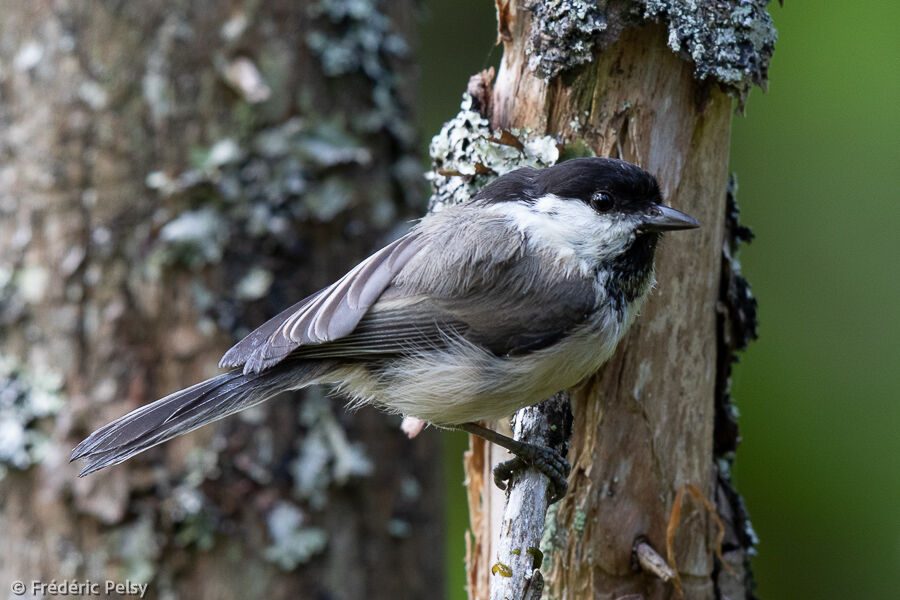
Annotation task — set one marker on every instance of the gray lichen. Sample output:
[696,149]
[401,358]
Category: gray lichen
[13,302]
[192,514]
[254,190]
[194,237]
[325,456]
[731,42]
[262,185]
[136,547]
[25,398]
[399,528]
[245,194]
[467,155]
[255,283]
[293,543]
[360,38]
[562,34]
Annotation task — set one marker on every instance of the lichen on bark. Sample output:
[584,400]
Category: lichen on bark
[730,42]
[644,425]
[468,154]
[172,176]
[736,324]
[27,400]
[563,34]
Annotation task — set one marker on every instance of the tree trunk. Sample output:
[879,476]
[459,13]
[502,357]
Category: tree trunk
[656,417]
[172,174]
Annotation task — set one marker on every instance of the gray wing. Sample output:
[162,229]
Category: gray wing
[327,315]
[497,297]
[497,316]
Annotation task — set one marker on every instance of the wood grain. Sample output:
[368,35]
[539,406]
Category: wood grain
[644,424]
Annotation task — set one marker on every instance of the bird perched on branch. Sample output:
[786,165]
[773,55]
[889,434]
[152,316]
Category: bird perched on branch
[481,309]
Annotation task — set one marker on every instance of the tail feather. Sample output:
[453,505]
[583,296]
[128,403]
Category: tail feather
[187,410]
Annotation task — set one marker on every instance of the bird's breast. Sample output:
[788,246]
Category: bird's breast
[466,383]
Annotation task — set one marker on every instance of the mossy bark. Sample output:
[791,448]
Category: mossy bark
[118,120]
[644,425]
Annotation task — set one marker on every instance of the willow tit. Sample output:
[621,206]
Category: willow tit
[481,309]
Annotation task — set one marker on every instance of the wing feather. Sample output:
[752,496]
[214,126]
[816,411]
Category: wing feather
[327,315]
[503,324]
[514,303]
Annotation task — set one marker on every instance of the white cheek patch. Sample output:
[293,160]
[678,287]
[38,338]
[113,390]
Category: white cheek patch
[570,229]
[617,236]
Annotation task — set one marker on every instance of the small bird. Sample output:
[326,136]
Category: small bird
[481,309]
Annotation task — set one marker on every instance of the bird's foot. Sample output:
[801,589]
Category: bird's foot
[545,460]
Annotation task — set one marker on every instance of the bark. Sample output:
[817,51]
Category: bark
[645,425]
[172,174]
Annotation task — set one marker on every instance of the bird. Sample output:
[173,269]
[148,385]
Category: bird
[482,308]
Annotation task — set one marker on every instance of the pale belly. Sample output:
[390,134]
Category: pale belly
[467,383]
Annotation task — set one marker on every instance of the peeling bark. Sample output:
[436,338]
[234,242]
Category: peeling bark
[518,543]
[645,425]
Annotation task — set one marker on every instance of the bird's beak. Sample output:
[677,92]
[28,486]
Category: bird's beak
[663,218]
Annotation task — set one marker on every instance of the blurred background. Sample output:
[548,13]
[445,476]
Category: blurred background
[817,164]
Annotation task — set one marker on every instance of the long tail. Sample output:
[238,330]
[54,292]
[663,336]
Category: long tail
[187,410]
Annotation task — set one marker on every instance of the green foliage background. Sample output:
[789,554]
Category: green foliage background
[817,162]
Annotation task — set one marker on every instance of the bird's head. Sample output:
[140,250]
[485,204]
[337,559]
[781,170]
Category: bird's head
[616,190]
[626,216]
[608,212]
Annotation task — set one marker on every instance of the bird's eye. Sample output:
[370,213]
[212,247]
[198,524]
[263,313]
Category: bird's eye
[601,201]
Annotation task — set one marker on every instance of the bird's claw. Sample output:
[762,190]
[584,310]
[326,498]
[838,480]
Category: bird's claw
[544,460]
[504,471]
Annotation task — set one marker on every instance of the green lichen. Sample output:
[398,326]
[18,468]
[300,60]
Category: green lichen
[31,282]
[331,197]
[550,538]
[250,193]
[579,520]
[198,530]
[26,397]
[562,34]
[731,42]
[536,555]
[260,186]
[354,38]
[467,155]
